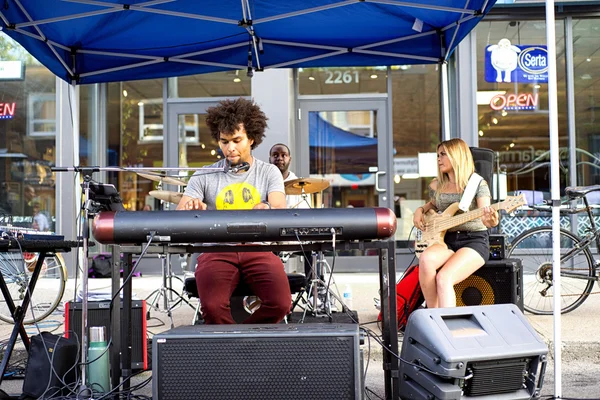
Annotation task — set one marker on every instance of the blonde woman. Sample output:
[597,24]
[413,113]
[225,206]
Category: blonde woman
[441,267]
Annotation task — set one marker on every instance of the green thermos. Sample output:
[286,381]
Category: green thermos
[98,369]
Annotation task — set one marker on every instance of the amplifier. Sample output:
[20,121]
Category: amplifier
[497,282]
[99,315]
[497,247]
[257,362]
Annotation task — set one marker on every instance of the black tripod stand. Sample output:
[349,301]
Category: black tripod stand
[171,298]
[322,294]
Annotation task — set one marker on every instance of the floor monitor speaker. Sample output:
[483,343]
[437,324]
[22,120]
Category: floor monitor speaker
[257,362]
[479,353]
[99,315]
[497,282]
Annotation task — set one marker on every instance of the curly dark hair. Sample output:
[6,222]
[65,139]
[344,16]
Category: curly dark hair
[229,114]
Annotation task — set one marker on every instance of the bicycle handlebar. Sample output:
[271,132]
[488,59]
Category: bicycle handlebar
[564,208]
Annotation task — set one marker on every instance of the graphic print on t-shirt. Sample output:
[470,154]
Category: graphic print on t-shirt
[237,196]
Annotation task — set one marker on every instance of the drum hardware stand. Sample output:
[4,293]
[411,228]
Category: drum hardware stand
[304,196]
[166,291]
[318,290]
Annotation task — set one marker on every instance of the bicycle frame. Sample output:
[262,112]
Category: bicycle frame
[586,241]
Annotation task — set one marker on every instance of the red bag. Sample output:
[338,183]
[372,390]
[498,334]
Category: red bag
[409,296]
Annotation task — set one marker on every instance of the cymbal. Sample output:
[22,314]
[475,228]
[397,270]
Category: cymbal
[310,185]
[164,179]
[165,195]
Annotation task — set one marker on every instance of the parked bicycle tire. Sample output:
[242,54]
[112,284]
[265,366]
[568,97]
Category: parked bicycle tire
[534,248]
[49,289]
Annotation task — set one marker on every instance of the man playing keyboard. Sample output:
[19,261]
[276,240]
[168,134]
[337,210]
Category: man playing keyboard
[248,183]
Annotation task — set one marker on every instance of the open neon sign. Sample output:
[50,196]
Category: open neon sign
[523,101]
[7,110]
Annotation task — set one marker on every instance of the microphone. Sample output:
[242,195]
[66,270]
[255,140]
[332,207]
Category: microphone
[243,166]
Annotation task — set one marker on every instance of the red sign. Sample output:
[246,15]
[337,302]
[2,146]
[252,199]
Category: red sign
[523,101]
[7,110]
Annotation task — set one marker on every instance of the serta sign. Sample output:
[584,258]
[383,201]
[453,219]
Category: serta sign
[505,62]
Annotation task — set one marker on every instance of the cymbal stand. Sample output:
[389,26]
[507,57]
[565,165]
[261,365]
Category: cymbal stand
[171,298]
[304,196]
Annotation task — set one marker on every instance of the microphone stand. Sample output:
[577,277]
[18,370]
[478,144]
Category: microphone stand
[85,236]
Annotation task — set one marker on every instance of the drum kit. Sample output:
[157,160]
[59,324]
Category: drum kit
[320,296]
[301,186]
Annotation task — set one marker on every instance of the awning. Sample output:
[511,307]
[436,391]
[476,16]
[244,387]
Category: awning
[88,41]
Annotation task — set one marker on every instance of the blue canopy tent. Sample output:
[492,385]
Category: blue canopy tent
[93,41]
[89,41]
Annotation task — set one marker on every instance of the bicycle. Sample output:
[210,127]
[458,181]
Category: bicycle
[17,268]
[579,268]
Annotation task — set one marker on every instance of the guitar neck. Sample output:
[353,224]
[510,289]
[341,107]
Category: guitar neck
[466,217]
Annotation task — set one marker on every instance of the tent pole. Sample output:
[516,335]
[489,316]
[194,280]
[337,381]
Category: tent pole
[555,190]
[445,102]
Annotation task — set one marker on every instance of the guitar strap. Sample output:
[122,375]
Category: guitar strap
[470,191]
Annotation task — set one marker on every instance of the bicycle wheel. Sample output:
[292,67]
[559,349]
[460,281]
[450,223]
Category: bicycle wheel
[534,248]
[17,268]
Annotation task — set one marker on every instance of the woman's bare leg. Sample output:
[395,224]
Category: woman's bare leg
[430,261]
[458,268]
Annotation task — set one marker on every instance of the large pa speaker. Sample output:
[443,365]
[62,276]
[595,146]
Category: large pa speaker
[257,362]
[99,315]
[482,353]
[497,282]
[484,164]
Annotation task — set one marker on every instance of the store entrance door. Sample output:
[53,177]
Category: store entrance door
[189,143]
[347,142]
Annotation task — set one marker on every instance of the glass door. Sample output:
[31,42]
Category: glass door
[188,143]
[347,143]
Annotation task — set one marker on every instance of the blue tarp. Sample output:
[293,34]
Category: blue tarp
[119,40]
[322,133]
[336,151]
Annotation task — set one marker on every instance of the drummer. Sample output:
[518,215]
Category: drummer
[279,155]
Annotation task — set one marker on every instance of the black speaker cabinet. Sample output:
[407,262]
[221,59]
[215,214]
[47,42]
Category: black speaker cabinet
[497,282]
[484,164]
[257,362]
[479,353]
[99,315]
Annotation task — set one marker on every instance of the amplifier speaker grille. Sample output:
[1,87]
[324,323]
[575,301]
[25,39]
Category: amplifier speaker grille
[497,282]
[269,367]
[495,377]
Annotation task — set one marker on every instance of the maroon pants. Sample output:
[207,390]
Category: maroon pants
[218,274]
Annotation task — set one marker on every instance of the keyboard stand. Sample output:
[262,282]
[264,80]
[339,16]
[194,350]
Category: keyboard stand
[18,312]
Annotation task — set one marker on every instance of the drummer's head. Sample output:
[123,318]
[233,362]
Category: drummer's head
[279,155]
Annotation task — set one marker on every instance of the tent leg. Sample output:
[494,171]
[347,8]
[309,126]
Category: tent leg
[445,102]
[555,190]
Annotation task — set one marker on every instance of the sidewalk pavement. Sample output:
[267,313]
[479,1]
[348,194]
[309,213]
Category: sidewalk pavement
[580,328]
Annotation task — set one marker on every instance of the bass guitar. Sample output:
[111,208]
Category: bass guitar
[436,224]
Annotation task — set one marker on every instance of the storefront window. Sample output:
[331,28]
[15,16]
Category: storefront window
[135,137]
[27,139]
[217,84]
[587,108]
[512,102]
[417,130]
[344,80]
